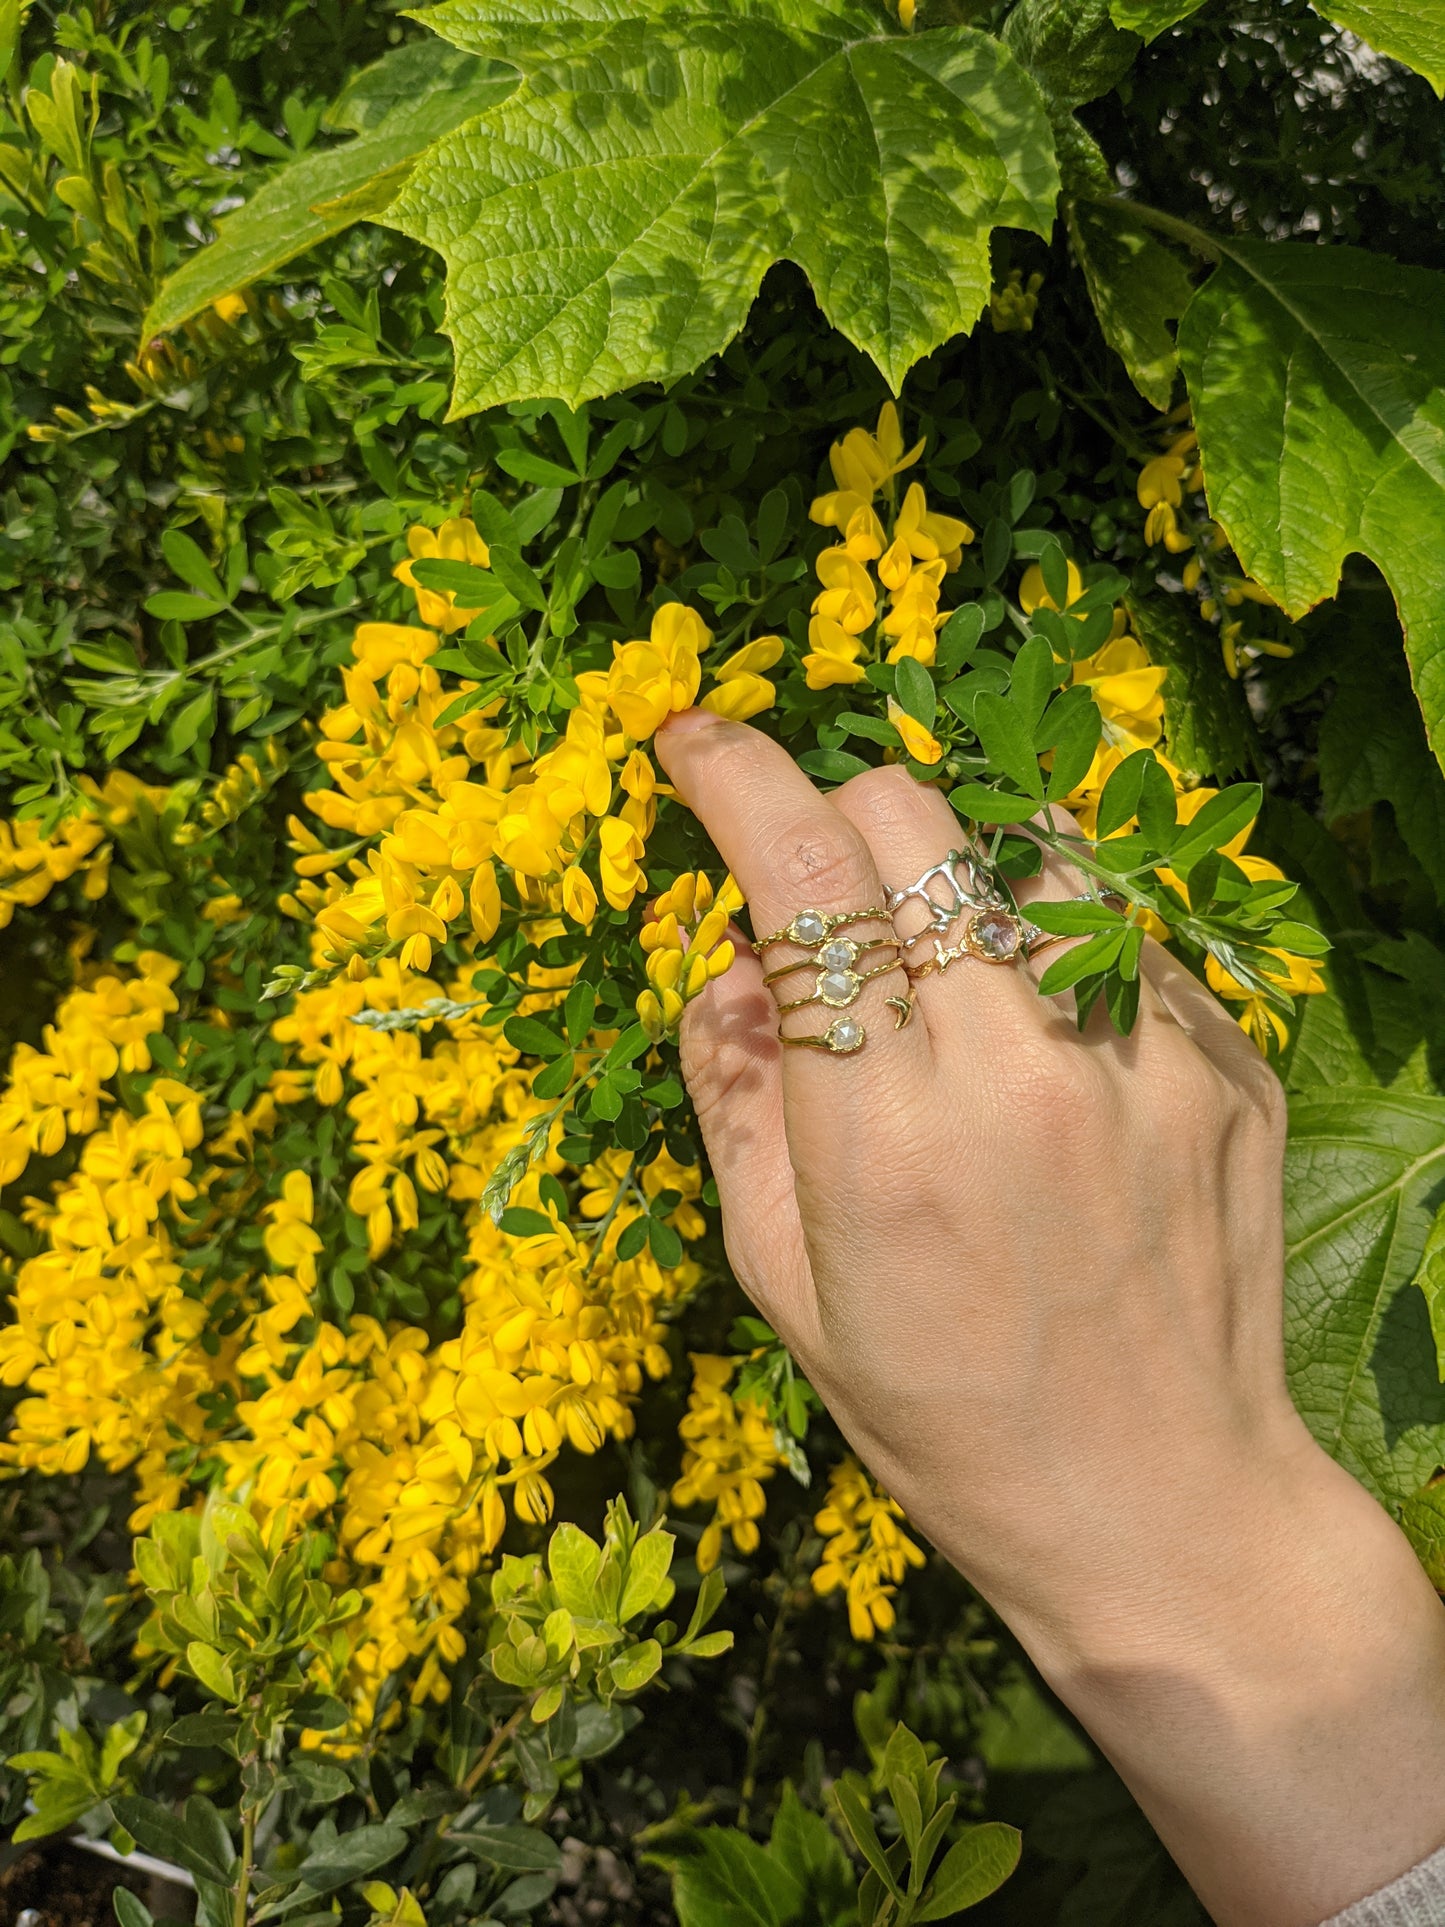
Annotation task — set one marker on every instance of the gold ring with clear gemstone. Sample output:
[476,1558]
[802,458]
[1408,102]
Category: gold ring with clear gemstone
[842,1037]
[809,928]
[837,953]
[839,988]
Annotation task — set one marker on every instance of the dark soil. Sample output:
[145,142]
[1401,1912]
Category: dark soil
[62,1886]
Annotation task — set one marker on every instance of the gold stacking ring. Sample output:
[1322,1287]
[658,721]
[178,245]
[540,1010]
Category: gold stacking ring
[809,928]
[837,988]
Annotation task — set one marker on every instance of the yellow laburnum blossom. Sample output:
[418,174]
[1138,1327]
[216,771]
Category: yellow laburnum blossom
[866,1552]
[742,689]
[862,464]
[457,540]
[100,1029]
[922,745]
[686,945]
[649,680]
[729,1450]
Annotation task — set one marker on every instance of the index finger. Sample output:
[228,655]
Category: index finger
[791,851]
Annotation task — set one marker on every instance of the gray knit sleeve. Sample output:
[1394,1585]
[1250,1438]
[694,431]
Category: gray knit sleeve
[1416,1899]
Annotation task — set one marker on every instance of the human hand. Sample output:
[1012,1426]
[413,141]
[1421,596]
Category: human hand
[1037,1275]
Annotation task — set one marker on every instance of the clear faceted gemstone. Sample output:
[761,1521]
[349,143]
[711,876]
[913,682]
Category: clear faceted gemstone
[996,935]
[809,926]
[841,953]
[838,986]
[846,1034]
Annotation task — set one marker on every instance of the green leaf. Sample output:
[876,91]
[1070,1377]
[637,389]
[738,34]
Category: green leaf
[1362,1172]
[859,1822]
[1372,742]
[1008,741]
[728,1880]
[1207,724]
[805,1846]
[1219,822]
[636,1665]
[518,1222]
[530,1035]
[211,1670]
[360,1851]
[130,1910]
[1411,31]
[1151,17]
[187,561]
[1318,382]
[574,1561]
[1084,960]
[528,467]
[516,1849]
[159,1832]
[915,691]
[1071,47]
[1423,1517]
[692,154]
[831,765]
[431,89]
[992,806]
[1138,287]
[972,1869]
[646,1570]
[1431,1280]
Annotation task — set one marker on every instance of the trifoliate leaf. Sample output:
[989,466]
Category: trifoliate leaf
[1362,1173]
[611,222]
[1138,287]
[419,93]
[972,1869]
[1318,382]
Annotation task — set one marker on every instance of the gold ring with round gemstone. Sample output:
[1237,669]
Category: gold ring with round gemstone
[809,928]
[842,1037]
[992,935]
[839,988]
[837,953]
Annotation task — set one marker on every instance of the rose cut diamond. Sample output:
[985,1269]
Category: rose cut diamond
[839,986]
[809,926]
[845,1034]
[839,954]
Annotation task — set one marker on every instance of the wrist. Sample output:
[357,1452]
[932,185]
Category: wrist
[1266,1668]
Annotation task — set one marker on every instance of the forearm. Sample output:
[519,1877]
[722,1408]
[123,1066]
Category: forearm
[1271,1685]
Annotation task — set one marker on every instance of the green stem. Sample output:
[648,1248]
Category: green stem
[758,1725]
[242,1904]
[1178,230]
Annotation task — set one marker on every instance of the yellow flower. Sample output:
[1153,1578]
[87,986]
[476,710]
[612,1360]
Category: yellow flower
[457,540]
[866,1553]
[729,1449]
[862,464]
[686,945]
[920,743]
[742,690]
[649,680]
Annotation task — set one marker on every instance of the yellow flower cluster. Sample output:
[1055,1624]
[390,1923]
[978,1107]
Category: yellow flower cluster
[729,1449]
[909,560]
[1013,304]
[105,1339]
[99,1029]
[434,838]
[866,1552]
[1185,528]
[1128,691]
[686,943]
[31,864]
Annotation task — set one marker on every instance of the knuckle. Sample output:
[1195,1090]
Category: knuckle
[889,800]
[819,863]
